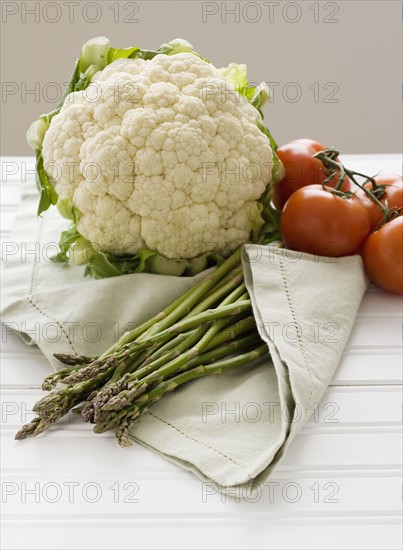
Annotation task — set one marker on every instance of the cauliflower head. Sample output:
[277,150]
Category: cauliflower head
[162,153]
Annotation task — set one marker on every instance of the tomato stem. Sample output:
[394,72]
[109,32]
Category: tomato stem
[329,158]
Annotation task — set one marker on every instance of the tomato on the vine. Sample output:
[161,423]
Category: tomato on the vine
[382,255]
[391,195]
[301,170]
[318,221]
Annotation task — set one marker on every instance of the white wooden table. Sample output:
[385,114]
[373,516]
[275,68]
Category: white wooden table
[337,488]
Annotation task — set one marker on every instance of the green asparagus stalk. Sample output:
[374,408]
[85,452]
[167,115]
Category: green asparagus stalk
[192,322]
[76,363]
[73,360]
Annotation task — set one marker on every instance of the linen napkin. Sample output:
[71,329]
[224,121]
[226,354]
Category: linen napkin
[231,430]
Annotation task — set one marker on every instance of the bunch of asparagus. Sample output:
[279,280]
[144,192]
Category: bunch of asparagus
[208,330]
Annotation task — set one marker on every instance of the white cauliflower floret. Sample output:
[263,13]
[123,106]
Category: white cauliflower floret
[166,155]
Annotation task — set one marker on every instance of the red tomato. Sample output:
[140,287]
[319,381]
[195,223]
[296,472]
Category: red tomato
[317,221]
[391,196]
[382,254]
[300,170]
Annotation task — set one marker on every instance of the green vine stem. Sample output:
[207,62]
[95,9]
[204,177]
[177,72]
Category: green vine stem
[329,158]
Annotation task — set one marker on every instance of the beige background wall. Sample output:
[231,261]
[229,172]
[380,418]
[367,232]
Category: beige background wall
[336,65]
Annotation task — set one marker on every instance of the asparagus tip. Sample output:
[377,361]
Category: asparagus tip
[123,436]
[28,429]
